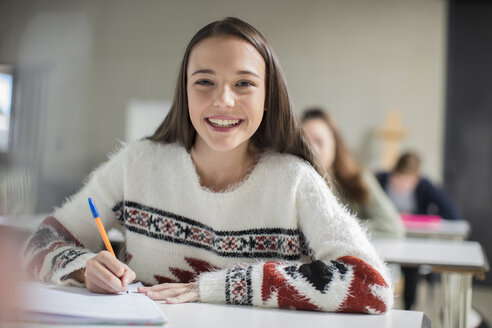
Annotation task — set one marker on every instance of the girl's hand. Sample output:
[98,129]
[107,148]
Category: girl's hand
[172,293]
[105,274]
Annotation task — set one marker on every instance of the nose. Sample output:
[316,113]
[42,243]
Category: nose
[224,98]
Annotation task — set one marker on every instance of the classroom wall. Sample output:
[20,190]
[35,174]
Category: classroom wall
[81,63]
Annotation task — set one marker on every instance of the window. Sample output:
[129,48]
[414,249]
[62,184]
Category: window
[6,86]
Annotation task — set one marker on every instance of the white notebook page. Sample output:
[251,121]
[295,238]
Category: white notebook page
[65,302]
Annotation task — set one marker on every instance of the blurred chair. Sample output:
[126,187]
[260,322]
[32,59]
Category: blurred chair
[17,191]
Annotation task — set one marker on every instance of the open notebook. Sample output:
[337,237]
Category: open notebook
[72,305]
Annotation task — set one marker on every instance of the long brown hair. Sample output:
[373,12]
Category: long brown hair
[279,130]
[345,169]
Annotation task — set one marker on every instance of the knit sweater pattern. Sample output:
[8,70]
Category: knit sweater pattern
[278,239]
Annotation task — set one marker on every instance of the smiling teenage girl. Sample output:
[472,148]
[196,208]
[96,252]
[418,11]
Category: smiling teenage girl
[223,203]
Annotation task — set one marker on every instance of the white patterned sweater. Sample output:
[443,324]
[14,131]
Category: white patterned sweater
[278,239]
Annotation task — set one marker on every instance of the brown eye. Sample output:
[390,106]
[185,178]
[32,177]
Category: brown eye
[245,84]
[204,82]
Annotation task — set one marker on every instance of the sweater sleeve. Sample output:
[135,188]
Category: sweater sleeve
[69,237]
[345,274]
[380,215]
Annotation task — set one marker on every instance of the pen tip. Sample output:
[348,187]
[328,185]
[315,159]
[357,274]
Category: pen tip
[94,211]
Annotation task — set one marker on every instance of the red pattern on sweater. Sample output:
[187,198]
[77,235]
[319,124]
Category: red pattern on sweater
[360,297]
[288,296]
[34,266]
[36,263]
[185,276]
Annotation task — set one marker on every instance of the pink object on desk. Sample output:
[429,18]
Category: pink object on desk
[421,221]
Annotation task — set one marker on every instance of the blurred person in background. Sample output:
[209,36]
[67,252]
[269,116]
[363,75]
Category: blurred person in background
[356,187]
[412,193]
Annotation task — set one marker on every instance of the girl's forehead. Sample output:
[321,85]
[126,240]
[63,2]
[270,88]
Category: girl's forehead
[225,52]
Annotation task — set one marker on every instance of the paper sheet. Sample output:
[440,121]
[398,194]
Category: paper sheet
[56,304]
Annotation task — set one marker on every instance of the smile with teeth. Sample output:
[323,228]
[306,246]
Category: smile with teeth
[223,123]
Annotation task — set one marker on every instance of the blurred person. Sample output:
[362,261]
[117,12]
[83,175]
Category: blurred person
[356,187]
[412,193]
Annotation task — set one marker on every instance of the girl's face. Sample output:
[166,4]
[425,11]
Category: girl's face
[226,92]
[322,139]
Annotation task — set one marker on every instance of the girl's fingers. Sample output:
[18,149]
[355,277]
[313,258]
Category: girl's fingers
[157,288]
[98,275]
[191,296]
[165,294]
[97,285]
[128,277]
[172,293]
[112,263]
[101,277]
[105,273]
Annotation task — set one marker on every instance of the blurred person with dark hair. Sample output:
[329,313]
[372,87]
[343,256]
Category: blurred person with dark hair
[356,187]
[412,193]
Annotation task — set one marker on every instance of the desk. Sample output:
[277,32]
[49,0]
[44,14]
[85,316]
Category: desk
[217,315]
[456,261]
[25,223]
[457,230]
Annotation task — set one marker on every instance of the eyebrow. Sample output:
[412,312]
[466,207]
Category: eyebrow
[248,73]
[205,71]
[209,71]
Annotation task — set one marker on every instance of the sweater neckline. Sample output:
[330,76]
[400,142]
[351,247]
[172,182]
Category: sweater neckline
[230,190]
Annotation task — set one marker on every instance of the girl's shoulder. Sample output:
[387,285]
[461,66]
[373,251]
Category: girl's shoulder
[287,165]
[144,154]
[369,179]
[144,148]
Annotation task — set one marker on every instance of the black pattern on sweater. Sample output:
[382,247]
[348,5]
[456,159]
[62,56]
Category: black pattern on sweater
[265,243]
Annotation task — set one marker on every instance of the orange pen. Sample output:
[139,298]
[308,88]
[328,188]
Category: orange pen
[104,236]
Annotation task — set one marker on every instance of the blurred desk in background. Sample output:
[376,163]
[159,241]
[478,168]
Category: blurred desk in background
[23,225]
[447,229]
[457,261]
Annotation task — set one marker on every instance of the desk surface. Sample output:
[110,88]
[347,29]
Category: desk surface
[446,229]
[217,315]
[28,223]
[463,256]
